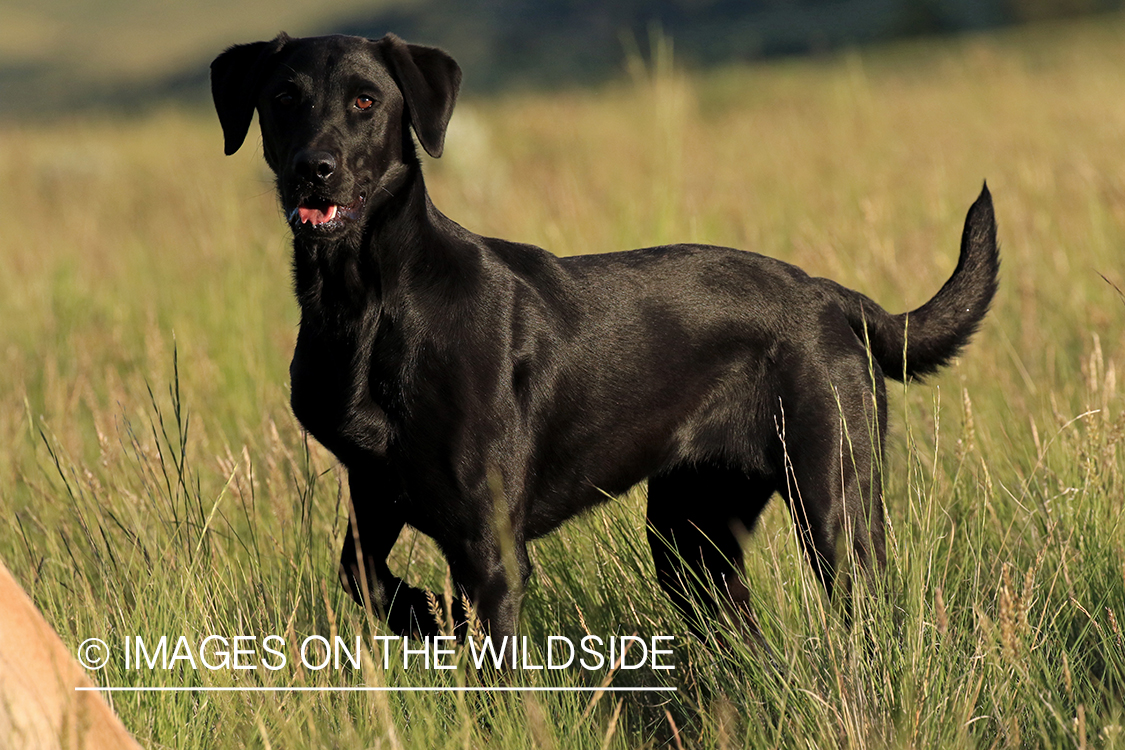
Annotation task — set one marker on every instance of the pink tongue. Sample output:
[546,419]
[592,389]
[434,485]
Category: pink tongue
[315,216]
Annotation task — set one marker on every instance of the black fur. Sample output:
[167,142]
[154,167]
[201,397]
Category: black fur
[482,390]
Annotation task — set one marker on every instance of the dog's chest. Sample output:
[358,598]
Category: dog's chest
[332,394]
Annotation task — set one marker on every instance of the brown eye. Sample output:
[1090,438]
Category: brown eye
[287,96]
[364,102]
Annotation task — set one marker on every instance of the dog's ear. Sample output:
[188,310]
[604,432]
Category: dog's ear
[430,80]
[236,81]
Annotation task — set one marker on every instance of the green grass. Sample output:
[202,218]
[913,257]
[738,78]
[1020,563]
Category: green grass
[154,481]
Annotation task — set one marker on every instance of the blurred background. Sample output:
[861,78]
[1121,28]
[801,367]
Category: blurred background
[132,53]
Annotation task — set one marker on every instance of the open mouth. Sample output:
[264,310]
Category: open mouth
[319,213]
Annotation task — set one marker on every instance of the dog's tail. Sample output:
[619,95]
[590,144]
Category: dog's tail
[917,343]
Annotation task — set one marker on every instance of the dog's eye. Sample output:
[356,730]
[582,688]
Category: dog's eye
[286,98]
[364,102]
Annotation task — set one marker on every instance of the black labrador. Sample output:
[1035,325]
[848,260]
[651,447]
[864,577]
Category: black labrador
[485,391]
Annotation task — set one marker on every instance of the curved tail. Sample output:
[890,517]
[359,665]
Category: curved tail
[917,343]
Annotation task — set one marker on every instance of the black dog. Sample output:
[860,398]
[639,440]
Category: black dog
[485,391]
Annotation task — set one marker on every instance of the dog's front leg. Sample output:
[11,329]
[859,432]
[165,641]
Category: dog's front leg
[492,568]
[376,520]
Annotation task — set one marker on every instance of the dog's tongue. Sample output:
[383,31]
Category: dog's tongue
[317,216]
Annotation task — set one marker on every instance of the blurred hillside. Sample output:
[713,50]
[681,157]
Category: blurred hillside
[132,53]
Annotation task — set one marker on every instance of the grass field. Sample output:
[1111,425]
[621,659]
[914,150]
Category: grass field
[154,482]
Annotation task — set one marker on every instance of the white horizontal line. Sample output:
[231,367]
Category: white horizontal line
[377,689]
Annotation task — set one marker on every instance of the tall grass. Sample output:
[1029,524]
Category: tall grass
[154,481]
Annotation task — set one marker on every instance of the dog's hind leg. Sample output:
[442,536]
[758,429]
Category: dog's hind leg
[694,518]
[833,439]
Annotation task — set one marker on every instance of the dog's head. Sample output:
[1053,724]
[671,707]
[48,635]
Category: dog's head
[335,114]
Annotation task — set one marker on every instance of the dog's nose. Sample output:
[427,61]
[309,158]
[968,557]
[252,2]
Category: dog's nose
[315,166]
